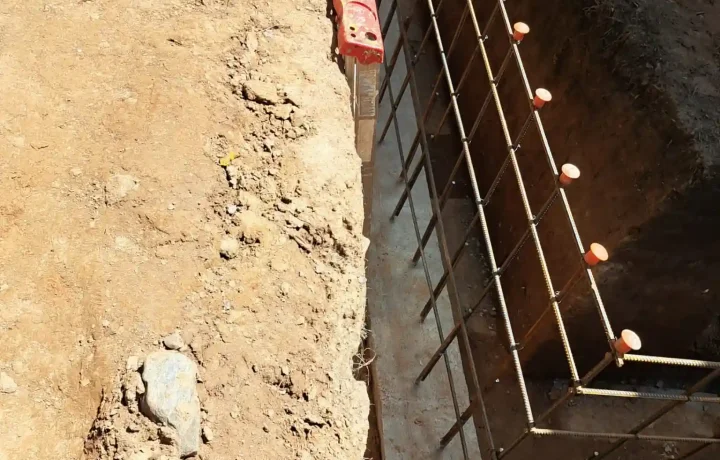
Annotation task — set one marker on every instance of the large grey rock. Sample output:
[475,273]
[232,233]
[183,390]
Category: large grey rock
[171,397]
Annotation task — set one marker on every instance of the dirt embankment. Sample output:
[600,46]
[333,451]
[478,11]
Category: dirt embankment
[140,140]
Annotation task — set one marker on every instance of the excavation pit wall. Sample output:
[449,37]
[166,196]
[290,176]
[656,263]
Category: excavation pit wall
[633,113]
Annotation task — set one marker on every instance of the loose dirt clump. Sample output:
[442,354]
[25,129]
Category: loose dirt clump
[199,191]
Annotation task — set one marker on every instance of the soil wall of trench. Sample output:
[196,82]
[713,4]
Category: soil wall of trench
[635,97]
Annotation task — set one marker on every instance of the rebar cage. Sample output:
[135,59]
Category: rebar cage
[416,160]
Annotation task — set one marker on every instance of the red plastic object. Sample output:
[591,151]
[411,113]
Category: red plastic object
[359,34]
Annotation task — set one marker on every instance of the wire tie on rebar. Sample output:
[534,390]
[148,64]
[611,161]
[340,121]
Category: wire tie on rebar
[515,347]
[520,29]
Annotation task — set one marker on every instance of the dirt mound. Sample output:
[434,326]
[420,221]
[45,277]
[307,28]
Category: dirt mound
[142,139]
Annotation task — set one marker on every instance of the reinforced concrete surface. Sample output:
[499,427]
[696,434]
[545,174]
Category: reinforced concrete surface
[413,417]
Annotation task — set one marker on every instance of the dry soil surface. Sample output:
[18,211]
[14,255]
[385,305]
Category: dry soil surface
[139,139]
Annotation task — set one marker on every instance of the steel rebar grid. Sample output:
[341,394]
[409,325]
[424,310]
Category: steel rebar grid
[477,395]
[698,386]
[480,210]
[599,306]
[441,284]
[610,336]
[433,195]
[412,63]
[426,270]
[463,79]
[585,380]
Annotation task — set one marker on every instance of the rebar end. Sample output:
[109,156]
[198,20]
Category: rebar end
[628,341]
[542,97]
[520,29]
[596,254]
[568,173]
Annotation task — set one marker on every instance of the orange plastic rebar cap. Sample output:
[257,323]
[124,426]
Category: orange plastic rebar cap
[628,341]
[542,96]
[520,29]
[568,173]
[596,254]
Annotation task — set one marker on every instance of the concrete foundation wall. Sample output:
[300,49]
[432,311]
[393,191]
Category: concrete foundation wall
[648,189]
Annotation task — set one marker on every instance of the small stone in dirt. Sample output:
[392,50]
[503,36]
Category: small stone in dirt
[133,428]
[39,145]
[284,370]
[133,364]
[17,141]
[260,91]
[283,111]
[141,456]
[229,248]
[251,41]
[118,187]
[105,323]
[173,341]
[76,171]
[231,209]
[233,175]
[171,396]
[315,420]
[249,201]
[207,434]
[252,227]
[7,384]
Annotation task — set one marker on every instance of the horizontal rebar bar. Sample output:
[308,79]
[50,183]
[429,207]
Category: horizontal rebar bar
[672,361]
[662,396]
[641,437]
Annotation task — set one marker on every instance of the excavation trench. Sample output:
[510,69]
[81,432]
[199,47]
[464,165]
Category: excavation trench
[634,95]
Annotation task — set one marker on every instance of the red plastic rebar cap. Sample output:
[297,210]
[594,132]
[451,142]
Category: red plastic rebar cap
[568,173]
[542,96]
[596,254]
[520,29]
[359,34]
[628,341]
